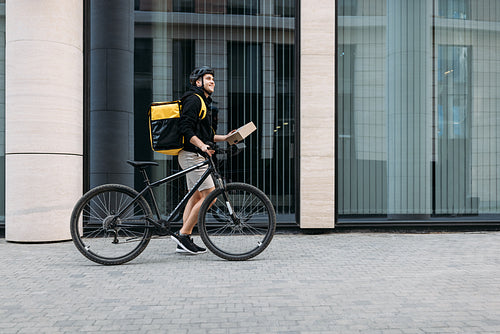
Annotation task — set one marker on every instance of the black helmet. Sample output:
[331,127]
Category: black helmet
[199,72]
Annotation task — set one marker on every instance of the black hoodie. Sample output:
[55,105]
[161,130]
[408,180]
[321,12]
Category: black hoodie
[190,123]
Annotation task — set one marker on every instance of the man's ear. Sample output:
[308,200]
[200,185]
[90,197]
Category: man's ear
[198,83]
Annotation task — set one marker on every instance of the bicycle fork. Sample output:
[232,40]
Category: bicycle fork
[222,185]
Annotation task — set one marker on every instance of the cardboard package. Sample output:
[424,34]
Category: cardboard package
[241,133]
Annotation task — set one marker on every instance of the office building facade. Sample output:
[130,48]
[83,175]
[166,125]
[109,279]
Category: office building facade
[368,112]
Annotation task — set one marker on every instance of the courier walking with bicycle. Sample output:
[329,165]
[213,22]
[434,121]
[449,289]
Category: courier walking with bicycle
[198,135]
[113,223]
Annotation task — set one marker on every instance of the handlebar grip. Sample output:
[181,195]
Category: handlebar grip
[200,152]
[211,146]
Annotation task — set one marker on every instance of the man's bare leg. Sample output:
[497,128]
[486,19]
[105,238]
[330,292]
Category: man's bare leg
[190,216]
[189,207]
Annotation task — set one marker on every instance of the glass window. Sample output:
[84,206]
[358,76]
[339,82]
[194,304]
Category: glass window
[254,63]
[183,6]
[360,8]
[347,7]
[245,100]
[143,62]
[454,9]
[143,74]
[284,8]
[453,162]
[182,65]
[283,173]
[454,91]
[417,101]
[247,7]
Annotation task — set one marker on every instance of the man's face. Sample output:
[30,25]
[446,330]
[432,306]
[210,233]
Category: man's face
[208,83]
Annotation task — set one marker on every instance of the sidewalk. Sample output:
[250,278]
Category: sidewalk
[331,283]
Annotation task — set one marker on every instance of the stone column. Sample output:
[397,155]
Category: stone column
[409,108]
[317,114]
[112,91]
[44,117]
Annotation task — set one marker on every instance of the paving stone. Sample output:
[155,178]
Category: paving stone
[331,283]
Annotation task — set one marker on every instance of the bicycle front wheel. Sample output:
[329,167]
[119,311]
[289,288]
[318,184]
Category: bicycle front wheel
[237,223]
[102,236]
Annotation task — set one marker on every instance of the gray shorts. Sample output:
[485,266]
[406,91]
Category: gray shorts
[188,159]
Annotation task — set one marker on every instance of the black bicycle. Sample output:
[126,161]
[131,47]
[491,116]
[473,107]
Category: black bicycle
[112,223]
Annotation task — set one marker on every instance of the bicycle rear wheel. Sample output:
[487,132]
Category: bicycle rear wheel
[237,223]
[103,237]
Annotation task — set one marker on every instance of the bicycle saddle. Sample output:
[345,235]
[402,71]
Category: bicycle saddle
[141,164]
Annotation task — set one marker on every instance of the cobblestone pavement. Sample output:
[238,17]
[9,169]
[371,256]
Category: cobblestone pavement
[329,283]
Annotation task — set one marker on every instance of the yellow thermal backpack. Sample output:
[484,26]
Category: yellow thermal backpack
[164,132]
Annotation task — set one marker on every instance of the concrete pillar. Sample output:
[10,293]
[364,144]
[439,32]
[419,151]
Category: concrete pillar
[317,114]
[44,117]
[112,91]
[409,108]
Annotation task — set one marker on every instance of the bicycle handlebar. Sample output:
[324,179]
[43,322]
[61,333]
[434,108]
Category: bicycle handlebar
[231,150]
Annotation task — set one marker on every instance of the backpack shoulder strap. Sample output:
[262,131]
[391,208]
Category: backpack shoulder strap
[203,111]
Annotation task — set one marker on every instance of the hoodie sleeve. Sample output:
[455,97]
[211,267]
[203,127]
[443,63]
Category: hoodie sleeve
[191,106]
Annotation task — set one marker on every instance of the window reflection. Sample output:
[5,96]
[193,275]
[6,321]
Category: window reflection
[284,8]
[183,6]
[254,67]
[454,9]
[453,90]
[454,127]
[247,7]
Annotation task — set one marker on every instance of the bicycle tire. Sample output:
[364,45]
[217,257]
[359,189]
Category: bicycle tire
[250,234]
[102,239]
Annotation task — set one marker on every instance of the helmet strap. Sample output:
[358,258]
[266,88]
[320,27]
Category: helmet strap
[203,87]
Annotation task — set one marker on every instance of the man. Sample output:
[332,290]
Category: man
[198,134]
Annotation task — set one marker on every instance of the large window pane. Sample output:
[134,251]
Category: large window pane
[245,103]
[182,64]
[284,8]
[283,172]
[453,158]
[417,110]
[183,5]
[247,7]
[454,9]
[254,62]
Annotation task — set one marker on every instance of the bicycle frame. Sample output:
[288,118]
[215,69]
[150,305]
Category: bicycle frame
[211,170]
[236,220]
